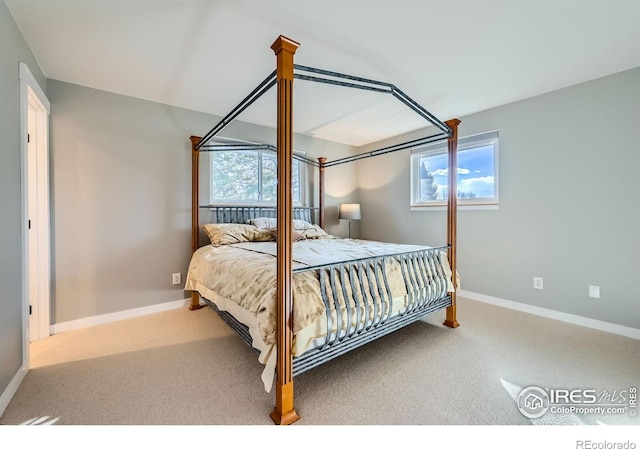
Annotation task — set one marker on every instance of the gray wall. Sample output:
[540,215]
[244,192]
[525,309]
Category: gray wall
[13,50]
[121,197]
[569,206]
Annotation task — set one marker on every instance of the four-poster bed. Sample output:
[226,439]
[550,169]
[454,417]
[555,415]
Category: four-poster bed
[355,292]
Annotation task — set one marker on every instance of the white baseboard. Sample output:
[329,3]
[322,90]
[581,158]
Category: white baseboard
[11,389]
[553,314]
[117,316]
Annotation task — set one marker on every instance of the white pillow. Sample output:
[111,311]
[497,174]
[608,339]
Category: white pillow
[301,225]
[264,222]
[272,223]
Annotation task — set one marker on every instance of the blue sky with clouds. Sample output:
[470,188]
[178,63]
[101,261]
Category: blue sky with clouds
[475,171]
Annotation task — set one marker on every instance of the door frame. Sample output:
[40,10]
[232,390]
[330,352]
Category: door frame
[33,97]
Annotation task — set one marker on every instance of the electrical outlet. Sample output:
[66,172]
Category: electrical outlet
[537,283]
[594,291]
[176,278]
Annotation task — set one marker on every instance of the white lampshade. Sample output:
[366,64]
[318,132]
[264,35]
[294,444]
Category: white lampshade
[349,211]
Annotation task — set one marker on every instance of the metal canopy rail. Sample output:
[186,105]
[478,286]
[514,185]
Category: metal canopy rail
[389,149]
[253,147]
[263,87]
[372,85]
[337,79]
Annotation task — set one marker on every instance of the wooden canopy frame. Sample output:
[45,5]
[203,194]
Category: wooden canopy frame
[284,48]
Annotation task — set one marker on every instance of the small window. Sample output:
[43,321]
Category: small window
[249,177]
[477,172]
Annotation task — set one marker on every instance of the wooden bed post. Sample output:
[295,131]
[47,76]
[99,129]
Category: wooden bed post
[322,161]
[195,209]
[452,217]
[284,411]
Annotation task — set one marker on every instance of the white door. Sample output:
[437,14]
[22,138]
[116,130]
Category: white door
[33,220]
[37,268]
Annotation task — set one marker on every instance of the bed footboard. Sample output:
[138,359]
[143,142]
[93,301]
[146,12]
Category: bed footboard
[369,312]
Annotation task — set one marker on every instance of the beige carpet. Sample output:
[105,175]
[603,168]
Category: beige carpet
[182,367]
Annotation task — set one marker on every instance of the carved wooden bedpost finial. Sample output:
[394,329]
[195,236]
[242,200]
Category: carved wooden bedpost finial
[284,411]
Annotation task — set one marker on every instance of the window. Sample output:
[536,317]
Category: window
[249,177]
[477,172]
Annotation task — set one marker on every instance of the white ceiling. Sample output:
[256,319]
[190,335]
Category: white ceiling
[453,57]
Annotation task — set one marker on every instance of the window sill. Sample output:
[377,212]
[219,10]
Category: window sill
[461,207]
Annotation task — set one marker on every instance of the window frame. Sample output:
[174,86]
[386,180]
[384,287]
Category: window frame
[259,202]
[464,144]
